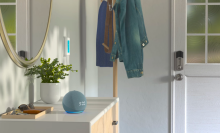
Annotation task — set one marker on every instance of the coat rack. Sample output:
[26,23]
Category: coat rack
[115,63]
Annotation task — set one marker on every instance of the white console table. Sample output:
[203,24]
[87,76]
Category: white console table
[97,118]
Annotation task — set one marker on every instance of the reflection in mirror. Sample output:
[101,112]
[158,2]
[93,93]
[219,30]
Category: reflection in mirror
[214,1]
[9,16]
[26,26]
[39,20]
[196,1]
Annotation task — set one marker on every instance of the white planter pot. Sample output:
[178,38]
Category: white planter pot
[50,92]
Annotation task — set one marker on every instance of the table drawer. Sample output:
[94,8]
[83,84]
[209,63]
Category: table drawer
[104,124]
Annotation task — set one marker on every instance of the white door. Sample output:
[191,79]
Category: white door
[196,97]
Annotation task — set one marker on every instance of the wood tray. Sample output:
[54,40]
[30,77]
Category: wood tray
[30,116]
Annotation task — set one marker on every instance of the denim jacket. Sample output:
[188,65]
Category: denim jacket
[130,36]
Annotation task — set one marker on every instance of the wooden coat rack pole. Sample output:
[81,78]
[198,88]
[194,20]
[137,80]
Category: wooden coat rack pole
[115,63]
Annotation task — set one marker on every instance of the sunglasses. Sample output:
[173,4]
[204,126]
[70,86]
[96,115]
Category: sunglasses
[23,107]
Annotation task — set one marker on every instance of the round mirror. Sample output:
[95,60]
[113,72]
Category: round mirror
[24,26]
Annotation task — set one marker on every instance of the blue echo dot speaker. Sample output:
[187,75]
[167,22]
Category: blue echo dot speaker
[74,102]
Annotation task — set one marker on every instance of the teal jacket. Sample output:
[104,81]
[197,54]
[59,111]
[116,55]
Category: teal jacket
[130,36]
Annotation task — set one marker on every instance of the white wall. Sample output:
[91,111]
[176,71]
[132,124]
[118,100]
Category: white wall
[65,23]
[89,19]
[65,20]
[145,102]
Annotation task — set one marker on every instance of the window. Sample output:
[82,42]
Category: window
[8,8]
[203,31]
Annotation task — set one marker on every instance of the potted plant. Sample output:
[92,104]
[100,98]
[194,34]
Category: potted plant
[50,73]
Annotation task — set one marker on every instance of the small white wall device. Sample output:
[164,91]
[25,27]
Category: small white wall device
[67,46]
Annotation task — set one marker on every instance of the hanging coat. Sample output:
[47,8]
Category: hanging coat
[130,36]
[102,58]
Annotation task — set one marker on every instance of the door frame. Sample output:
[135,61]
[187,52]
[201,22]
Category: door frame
[172,113]
[178,112]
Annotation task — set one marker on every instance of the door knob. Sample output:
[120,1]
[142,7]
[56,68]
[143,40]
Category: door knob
[179,77]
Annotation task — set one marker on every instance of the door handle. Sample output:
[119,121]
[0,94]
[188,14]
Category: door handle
[179,77]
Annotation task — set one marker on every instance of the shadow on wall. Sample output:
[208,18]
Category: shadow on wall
[54,48]
[13,88]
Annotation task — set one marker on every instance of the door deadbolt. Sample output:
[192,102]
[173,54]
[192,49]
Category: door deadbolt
[178,61]
[179,77]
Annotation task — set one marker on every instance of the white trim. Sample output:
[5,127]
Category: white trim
[8,3]
[11,34]
[206,32]
[179,40]
[203,3]
[186,29]
[203,64]
[172,66]
[28,47]
[203,34]
[185,60]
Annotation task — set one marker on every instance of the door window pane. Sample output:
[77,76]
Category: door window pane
[196,49]
[7,0]
[9,17]
[13,41]
[196,19]
[196,1]
[214,18]
[214,1]
[214,49]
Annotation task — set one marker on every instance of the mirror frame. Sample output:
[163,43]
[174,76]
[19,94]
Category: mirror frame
[12,53]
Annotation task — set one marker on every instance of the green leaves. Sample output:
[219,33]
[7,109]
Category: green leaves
[50,72]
